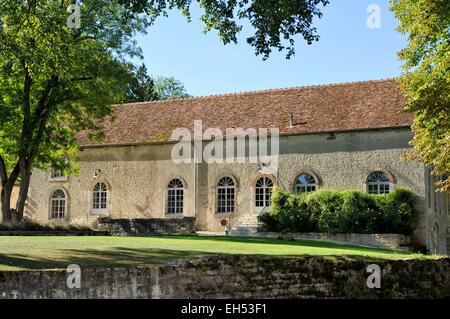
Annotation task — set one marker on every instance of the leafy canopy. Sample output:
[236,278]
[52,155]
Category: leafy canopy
[426,80]
[143,87]
[169,88]
[276,22]
[56,81]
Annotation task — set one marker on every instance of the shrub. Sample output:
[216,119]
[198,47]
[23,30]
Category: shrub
[359,213]
[341,212]
[289,213]
[30,225]
[325,207]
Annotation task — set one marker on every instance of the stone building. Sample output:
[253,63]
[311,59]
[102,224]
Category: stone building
[340,136]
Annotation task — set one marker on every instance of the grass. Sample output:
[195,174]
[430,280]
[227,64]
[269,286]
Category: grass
[23,252]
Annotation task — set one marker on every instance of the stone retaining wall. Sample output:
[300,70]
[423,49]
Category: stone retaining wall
[389,241]
[240,277]
[151,226]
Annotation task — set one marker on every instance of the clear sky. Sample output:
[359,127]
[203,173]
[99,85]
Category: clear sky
[347,51]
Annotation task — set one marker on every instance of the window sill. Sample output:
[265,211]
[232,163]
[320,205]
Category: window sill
[99,213]
[173,215]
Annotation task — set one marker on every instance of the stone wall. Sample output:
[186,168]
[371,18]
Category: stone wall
[240,277]
[130,227]
[388,241]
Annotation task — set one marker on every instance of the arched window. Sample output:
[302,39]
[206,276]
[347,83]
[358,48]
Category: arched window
[263,192]
[226,195]
[175,197]
[305,183]
[58,205]
[378,183]
[100,197]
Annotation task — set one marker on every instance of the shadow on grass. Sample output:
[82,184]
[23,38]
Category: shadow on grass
[113,257]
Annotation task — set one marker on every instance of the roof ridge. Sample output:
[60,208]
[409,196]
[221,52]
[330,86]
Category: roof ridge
[281,89]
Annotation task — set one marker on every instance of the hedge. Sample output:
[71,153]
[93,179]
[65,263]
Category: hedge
[350,211]
[30,225]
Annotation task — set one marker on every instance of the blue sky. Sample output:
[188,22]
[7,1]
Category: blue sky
[347,51]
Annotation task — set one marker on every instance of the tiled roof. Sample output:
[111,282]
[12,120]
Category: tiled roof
[322,108]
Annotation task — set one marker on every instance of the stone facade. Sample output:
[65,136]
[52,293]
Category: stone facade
[240,277]
[137,176]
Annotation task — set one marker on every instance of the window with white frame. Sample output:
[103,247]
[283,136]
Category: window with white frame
[226,195]
[58,204]
[100,197]
[305,183]
[263,192]
[378,183]
[175,197]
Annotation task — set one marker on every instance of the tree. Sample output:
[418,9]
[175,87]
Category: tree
[426,80]
[276,22]
[141,87]
[55,82]
[169,88]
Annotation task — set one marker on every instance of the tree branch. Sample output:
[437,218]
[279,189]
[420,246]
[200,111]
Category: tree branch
[82,78]
[51,84]
[3,174]
[25,137]
[13,177]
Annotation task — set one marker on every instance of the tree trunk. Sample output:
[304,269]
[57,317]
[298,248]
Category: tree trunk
[7,188]
[25,176]
[6,205]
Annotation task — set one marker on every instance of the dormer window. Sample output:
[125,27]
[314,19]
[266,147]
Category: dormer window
[57,175]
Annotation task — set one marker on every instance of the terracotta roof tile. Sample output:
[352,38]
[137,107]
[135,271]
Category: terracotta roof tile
[335,107]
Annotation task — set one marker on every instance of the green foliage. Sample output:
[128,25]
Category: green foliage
[426,80]
[289,213]
[276,22]
[167,88]
[141,87]
[341,212]
[29,225]
[56,81]
[325,209]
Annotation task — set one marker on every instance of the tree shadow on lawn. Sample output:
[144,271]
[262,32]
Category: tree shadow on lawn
[92,258]
[131,257]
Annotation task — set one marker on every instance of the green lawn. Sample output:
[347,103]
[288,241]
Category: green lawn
[30,252]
